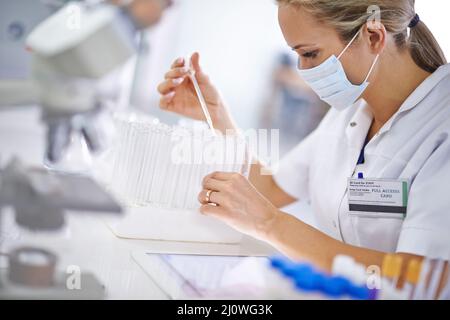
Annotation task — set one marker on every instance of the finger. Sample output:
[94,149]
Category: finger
[169,85]
[213,184]
[177,73]
[164,102]
[195,62]
[213,211]
[223,176]
[214,197]
[178,63]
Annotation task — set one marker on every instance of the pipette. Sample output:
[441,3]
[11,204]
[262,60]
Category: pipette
[201,99]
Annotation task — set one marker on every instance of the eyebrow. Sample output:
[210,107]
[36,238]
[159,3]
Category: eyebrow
[299,46]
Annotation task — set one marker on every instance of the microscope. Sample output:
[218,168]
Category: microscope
[72,51]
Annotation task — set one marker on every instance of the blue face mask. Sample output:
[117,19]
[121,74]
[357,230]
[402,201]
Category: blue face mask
[329,81]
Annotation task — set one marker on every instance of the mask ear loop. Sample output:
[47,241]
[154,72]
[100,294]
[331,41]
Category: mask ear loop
[349,44]
[372,67]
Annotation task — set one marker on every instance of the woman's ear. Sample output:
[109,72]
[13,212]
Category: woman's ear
[376,36]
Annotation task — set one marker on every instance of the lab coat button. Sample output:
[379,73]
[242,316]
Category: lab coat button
[335,224]
[353,124]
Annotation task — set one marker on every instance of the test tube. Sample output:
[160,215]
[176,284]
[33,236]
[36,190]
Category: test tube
[140,167]
[432,291]
[157,150]
[196,186]
[392,268]
[160,184]
[118,155]
[144,170]
[168,176]
[445,293]
[145,176]
[173,185]
[144,173]
[150,163]
[127,163]
[171,177]
[419,292]
[412,278]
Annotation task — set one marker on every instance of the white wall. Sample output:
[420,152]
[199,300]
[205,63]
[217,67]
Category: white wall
[435,15]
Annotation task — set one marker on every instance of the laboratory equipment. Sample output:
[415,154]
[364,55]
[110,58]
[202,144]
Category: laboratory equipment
[310,280]
[392,268]
[17,19]
[157,172]
[433,272]
[32,274]
[347,267]
[200,97]
[445,294]
[422,280]
[433,287]
[419,291]
[39,198]
[87,42]
[412,278]
[160,165]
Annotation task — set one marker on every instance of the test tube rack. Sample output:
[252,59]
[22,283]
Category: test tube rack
[157,172]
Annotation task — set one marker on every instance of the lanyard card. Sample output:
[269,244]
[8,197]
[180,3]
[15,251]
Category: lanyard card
[378,195]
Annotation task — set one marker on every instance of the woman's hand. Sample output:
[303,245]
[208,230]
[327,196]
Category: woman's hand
[179,96]
[236,201]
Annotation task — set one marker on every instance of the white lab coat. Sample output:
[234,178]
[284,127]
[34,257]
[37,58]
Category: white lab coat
[414,145]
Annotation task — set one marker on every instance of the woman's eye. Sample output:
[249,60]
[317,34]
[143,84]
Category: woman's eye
[310,55]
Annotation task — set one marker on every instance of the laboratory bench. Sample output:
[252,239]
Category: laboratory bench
[86,240]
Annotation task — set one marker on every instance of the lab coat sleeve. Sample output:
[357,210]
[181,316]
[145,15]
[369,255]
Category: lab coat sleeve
[426,229]
[292,173]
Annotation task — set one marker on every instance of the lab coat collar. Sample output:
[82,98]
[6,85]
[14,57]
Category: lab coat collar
[418,95]
[359,125]
[356,133]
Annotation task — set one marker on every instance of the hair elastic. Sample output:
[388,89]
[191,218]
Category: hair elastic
[414,21]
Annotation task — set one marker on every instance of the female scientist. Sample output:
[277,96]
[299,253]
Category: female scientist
[377,169]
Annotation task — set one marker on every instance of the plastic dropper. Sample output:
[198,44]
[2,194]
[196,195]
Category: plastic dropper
[200,97]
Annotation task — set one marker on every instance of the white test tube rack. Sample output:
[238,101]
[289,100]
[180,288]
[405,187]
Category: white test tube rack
[157,172]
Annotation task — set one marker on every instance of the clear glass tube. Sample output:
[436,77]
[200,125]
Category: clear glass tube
[147,172]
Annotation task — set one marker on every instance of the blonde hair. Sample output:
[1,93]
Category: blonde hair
[348,16]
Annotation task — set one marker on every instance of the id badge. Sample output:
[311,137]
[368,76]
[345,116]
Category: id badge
[378,196]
